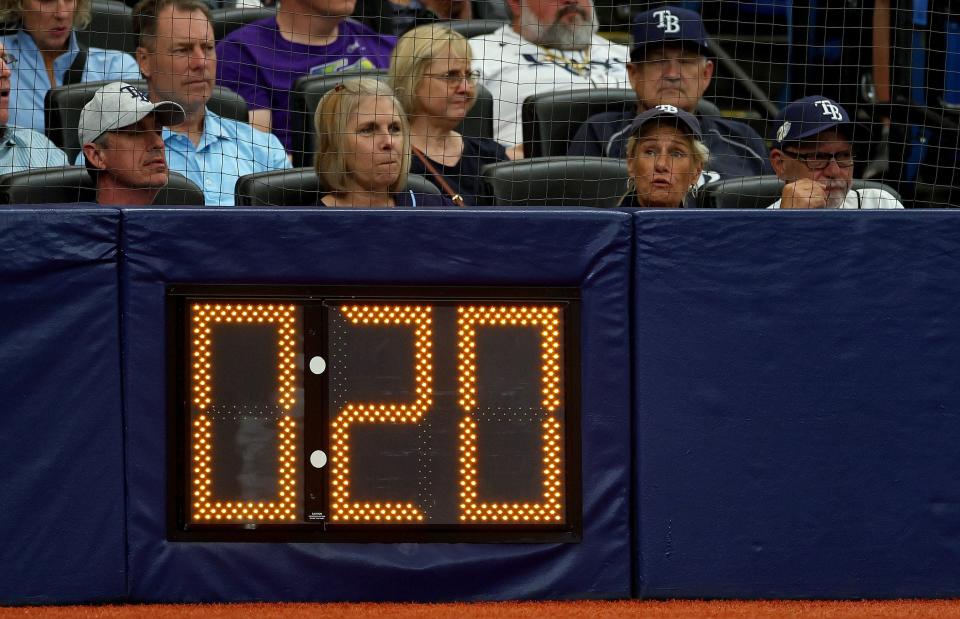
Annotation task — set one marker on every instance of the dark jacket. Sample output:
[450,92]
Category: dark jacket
[735,148]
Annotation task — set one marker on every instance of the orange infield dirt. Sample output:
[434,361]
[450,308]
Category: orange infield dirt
[515,610]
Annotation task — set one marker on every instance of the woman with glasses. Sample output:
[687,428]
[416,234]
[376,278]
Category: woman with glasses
[813,154]
[665,156]
[48,54]
[363,148]
[430,70]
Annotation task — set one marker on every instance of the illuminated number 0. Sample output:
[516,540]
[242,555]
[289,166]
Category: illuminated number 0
[343,508]
[204,507]
[472,509]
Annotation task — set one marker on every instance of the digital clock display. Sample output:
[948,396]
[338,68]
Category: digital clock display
[383,415]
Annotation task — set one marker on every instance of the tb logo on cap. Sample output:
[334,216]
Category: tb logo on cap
[135,93]
[830,109]
[667,108]
[667,21]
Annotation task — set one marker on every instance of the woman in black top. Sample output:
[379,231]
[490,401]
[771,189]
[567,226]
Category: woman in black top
[431,74]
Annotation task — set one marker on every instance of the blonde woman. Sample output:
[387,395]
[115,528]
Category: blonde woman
[363,148]
[665,156]
[44,53]
[431,72]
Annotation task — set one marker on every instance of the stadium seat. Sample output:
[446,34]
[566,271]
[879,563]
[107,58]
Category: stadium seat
[490,9]
[421,185]
[551,119]
[63,104]
[111,27]
[226,20]
[73,184]
[297,187]
[309,89]
[558,181]
[757,192]
[928,195]
[474,27]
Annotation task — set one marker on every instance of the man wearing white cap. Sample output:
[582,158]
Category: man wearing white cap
[120,130]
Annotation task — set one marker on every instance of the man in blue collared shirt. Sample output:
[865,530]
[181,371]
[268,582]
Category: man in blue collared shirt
[177,56]
[46,47]
[21,149]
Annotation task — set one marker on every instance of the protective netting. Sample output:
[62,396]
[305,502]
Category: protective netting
[536,104]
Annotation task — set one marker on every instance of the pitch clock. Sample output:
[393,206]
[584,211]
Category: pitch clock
[373,414]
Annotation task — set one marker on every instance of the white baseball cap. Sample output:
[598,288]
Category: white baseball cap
[119,105]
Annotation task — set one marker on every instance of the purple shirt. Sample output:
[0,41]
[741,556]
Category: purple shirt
[262,66]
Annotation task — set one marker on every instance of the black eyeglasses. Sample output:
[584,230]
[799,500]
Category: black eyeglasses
[453,78]
[819,161]
[8,58]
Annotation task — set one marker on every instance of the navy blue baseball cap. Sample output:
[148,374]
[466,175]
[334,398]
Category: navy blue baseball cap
[666,115]
[809,116]
[668,24]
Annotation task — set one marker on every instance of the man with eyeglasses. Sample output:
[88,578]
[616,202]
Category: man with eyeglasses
[21,148]
[813,154]
[670,64]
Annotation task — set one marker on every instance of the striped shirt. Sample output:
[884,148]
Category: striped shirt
[24,149]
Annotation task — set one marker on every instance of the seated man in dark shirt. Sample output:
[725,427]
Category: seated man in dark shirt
[669,65]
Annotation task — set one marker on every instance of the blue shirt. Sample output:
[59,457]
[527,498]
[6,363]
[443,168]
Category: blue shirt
[227,150]
[29,81]
[23,149]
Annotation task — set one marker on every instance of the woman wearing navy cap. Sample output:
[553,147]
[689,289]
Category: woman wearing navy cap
[665,156]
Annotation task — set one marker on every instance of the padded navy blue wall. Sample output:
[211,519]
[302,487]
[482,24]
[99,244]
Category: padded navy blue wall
[588,249]
[61,459]
[797,409]
[798,404]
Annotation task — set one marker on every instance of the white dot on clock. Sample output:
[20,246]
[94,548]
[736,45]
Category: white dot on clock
[318,459]
[318,365]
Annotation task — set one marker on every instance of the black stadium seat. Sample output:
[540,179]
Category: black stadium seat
[63,104]
[111,27]
[473,27]
[490,9]
[551,119]
[757,192]
[558,181]
[226,20]
[73,184]
[297,187]
[309,89]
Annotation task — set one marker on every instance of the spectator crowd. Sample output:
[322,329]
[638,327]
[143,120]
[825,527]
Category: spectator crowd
[401,104]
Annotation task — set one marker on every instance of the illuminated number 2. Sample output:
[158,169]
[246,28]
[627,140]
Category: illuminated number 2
[343,508]
[472,509]
[205,507]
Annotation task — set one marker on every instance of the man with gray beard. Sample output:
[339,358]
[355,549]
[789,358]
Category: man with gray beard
[813,154]
[548,45]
